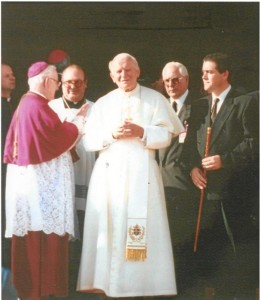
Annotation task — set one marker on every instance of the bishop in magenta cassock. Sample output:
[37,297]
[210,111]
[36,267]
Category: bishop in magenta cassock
[40,188]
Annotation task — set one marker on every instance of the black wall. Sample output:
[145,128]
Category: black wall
[154,32]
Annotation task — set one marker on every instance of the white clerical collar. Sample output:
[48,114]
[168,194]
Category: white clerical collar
[132,92]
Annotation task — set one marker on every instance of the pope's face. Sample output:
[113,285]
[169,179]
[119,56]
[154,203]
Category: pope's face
[125,73]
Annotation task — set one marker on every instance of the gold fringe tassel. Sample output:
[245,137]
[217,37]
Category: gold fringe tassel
[136,254]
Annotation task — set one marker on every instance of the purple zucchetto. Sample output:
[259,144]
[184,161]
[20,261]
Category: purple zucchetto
[36,68]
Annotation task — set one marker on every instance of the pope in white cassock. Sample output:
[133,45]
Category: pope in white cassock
[126,245]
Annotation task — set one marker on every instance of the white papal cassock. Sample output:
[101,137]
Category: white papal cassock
[126,183]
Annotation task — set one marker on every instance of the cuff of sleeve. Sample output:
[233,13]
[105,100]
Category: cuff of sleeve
[109,141]
[143,139]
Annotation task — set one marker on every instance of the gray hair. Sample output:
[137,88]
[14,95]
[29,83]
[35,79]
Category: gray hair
[48,72]
[174,64]
[120,56]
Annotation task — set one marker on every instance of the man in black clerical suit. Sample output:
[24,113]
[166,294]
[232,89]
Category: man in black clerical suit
[232,161]
[7,108]
[180,192]
[7,103]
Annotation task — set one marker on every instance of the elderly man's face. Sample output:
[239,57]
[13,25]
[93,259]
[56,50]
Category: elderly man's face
[125,73]
[53,85]
[73,84]
[175,83]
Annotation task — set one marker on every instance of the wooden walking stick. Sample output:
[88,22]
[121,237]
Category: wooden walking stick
[208,137]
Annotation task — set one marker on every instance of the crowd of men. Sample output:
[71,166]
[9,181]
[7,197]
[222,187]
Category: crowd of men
[134,195]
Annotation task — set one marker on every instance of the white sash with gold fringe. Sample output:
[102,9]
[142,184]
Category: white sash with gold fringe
[136,247]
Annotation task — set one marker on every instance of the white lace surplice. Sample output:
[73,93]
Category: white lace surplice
[40,197]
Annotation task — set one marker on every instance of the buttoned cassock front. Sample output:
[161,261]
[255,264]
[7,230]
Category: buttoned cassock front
[124,169]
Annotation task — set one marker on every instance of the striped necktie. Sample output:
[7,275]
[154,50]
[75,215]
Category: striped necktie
[214,110]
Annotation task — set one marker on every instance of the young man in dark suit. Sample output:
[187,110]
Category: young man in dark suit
[233,155]
[179,190]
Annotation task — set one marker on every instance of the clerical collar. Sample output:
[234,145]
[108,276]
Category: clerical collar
[69,104]
[132,92]
[7,99]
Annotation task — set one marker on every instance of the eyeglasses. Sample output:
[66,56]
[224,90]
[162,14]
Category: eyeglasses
[57,81]
[77,83]
[173,81]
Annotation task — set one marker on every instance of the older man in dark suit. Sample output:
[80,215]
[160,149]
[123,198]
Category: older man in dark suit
[181,206]
[233,155]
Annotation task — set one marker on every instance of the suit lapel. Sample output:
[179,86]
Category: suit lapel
[183,115]
[223,114]
[185,111]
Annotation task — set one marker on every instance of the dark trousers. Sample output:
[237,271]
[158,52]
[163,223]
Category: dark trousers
[220,260]
[182,210]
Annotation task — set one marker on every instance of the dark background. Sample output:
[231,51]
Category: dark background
[154,32]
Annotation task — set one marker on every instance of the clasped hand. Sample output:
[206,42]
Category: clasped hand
[128,130]
[210,163]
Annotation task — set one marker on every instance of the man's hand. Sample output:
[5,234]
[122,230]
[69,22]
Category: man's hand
[198,178]
[128,130]
[212,163]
